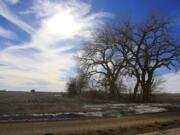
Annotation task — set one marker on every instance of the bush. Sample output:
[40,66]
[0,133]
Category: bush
[32,91]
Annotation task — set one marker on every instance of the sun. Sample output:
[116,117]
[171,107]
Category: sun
[63,24]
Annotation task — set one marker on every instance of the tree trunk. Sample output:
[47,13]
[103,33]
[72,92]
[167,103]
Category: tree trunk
[136,90]
[112,89]
[146,84]
[146,88]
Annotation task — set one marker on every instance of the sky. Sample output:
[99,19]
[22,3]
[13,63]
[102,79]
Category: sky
[39,39]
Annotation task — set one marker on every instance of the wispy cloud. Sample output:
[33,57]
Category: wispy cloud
[13,2]
[7,33]
[61,26]
[10,16]
[47,60]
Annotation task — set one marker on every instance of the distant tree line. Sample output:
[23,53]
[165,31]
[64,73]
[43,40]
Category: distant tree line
[127,49]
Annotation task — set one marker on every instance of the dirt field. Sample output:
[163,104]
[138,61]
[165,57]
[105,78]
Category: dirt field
[130,125]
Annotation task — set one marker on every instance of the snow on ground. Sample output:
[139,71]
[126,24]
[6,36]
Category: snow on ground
[97,110]
[136,108]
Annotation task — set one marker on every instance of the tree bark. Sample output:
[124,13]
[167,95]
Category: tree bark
[112,89]
[146,92]
[146,87]
[136,90]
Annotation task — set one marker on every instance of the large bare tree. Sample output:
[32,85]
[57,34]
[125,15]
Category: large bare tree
[138,50]
[104,60]
[152,46]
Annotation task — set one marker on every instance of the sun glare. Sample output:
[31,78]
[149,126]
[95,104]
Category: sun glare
[63,24]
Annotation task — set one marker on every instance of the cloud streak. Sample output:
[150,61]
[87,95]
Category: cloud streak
[7,33]
[46,61]
[13,2]
[7,13]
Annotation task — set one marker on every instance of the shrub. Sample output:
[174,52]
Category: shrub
[33,91]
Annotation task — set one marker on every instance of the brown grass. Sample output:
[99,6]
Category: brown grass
[40,102]
[44,102]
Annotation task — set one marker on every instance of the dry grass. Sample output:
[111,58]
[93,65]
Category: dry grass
[166,97]
[44,102]
[40,102]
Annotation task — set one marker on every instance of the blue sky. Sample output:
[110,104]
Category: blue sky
[39,38]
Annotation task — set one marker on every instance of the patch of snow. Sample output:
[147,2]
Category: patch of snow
[98,110]
[141,109]
[137,108]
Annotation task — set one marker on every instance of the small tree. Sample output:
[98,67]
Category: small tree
[76,85]
[81,81]
[71,87]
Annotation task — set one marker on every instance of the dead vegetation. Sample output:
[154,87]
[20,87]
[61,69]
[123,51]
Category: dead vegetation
[42,102]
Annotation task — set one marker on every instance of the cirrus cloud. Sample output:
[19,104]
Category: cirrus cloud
[61,25]
[7,33]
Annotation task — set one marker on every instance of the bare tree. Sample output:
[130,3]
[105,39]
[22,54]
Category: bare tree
[76,85]
[152,46]
[138,50]
[71,87]
[104,60]
[81,81]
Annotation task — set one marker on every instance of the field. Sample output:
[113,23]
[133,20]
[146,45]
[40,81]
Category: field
[54,114]
[39,102]
[46,102]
